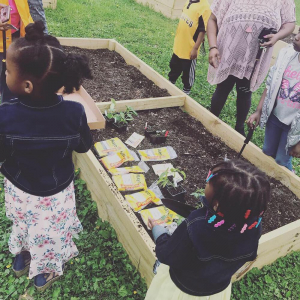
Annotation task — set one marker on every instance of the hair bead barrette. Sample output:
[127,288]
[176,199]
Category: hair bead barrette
[212,219]
[244,228]
[232,227]
[247,214]
[219,223]
[252,225]
[220,214]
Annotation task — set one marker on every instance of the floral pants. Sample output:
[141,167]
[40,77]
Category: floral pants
[44,226]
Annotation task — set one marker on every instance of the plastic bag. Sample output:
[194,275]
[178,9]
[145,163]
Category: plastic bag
[130,182]
[157,154]
[110,146]
[139,200]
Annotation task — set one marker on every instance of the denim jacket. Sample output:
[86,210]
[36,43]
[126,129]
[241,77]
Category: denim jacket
[37,141]
[274,80]
[203,258]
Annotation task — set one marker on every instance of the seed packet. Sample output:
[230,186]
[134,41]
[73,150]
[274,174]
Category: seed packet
[160,214]
[134,140]
[117,159]
[110,146]
[126,170]
[157,154]
[139,200]
[130,182]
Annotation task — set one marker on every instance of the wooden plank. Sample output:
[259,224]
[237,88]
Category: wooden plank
[86,43]
[273,245]
[94,116]
[235,141]
[150,73]
[113,207]
[50,4]
[143,104]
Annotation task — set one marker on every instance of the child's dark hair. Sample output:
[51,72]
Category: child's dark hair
[42,57]
[241,190]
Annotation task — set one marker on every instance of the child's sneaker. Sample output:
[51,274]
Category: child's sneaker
[22,263]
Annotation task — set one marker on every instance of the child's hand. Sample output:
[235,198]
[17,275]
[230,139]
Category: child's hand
[254,120]
[295,150]
[194,53]
[214,58]
[151,223]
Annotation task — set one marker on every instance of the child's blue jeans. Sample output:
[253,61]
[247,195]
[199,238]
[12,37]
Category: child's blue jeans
[276,140]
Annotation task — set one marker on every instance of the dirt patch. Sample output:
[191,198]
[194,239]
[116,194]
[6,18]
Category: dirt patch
[113,78]
[197,151]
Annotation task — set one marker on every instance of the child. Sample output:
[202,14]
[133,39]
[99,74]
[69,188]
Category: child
[279,107]
[39,131]
[189,36]
[214,241]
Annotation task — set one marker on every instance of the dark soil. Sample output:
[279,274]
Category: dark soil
[197,151]
[113,78]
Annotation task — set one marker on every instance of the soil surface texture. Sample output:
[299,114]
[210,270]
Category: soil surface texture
[197,151]
[113,78]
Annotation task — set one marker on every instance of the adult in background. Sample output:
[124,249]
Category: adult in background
[37,12]
[233,31]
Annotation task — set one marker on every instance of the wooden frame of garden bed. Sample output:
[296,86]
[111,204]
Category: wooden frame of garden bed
[113,207]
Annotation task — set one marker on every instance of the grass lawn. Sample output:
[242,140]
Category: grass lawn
[103,270]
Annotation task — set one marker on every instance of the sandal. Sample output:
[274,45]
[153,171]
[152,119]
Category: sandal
[43,281]
[22,263]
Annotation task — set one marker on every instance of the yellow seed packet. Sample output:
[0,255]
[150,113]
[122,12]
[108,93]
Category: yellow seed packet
[126,170]
[117,159]
[160,214]
[130,182]
[110,146]
[157,154]
[139,200]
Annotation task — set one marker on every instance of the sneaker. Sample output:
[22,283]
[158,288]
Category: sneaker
[43,281]
[22,263]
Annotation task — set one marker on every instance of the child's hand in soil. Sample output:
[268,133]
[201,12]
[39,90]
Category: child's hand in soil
[295,150]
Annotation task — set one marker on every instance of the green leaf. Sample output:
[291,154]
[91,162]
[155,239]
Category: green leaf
[122,291]
[56,293]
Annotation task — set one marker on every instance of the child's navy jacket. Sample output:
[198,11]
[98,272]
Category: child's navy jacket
[37,141]
[203,258]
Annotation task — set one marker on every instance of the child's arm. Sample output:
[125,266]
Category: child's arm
[86,140]
[174,250]
[194,52]
[254,119]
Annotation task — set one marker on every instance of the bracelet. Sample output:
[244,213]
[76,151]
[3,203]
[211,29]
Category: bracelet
[214,47]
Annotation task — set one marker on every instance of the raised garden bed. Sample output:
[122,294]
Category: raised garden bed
[112,205]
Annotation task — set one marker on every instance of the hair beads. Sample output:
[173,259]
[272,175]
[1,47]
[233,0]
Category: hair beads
[244,228]
[259,220]
[232,227]
[251,226]
[247,214]
[220,214]
[212,219]
[219,223]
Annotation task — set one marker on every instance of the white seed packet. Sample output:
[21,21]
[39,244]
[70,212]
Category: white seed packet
[134,140]
[143,166]
[160,168]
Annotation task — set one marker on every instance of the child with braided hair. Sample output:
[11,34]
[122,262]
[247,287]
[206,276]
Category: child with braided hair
[39,131]
[207,248]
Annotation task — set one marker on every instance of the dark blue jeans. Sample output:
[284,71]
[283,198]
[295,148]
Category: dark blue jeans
[276,140]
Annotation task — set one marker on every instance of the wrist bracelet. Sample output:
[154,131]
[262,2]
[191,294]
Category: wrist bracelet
[214,47]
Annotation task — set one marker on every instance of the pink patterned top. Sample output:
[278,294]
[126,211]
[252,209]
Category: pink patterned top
[240,23]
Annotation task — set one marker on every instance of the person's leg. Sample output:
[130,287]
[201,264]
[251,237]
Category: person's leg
[220,95]
[282,156]
[176,68]
[188,74]
[37,12]
[243,103]
[272,136]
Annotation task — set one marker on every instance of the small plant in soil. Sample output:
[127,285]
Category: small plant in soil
[122,119]
[159,137]
[170,187]
[110,113]
[197,194]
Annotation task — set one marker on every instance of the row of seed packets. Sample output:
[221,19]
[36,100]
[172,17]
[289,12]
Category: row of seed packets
[113,153]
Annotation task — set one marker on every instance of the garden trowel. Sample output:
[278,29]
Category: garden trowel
[247,140]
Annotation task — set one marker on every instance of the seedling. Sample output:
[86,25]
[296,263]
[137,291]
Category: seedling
[110,113]
[164,178]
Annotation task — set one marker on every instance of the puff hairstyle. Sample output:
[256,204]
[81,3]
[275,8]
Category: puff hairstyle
[238,186]
[42,57]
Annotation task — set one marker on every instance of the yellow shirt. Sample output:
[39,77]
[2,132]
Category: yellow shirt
[23,10]
[193,20]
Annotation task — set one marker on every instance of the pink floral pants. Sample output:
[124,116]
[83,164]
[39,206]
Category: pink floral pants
[44,226]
